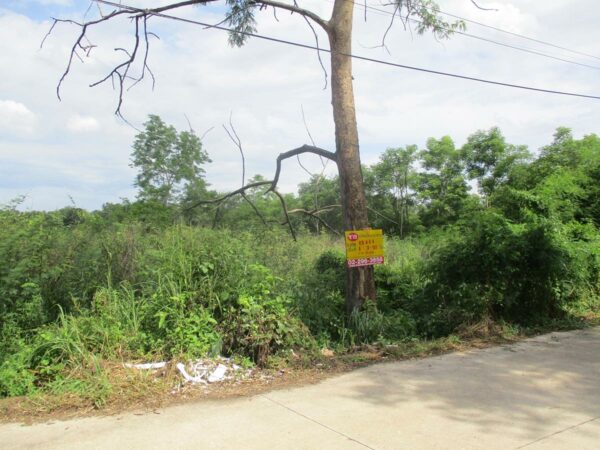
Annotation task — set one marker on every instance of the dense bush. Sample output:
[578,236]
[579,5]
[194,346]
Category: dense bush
[522,273]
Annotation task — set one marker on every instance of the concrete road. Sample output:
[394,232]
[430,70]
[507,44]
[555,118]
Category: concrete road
[543,393]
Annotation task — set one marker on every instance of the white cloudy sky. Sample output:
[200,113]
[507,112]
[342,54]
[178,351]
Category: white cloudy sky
[51,150]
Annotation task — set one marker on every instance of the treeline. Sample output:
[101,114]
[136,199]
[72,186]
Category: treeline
[483,236]
[410,190]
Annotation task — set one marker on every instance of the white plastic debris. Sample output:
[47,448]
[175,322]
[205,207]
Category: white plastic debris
[218,374]
[188,377]
[211,370]
[146,366]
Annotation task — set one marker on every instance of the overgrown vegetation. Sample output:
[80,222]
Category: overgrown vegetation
[150,280]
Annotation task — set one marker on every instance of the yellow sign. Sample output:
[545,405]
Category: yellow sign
[364,247]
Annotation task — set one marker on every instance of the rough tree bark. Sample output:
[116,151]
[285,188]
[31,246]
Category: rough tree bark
[360,282]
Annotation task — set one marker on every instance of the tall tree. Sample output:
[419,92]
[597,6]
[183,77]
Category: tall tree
[169,162]
[338,28]
[395,179]
[489,159]
[443,187]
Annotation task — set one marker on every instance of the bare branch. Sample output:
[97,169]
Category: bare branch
[120,74]
[271,183]
[315,214]
[383,215]
[145,62]
[285,212]
[253,206]
[318,50]
[302,166]
[229,195]
[189,123]
[390,25]
[205,133]
[121,71]
[149,12]
[298,151]
[311,140]
[482,8]
[236,141]
[296,9]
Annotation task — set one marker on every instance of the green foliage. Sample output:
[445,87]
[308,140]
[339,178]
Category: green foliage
[522,273]
[240,18]
[489,159]
[428,14]
[260,321]
[321,192]
[394,184]
[370,325]
[443,187]
[169,162]
[319,296]
[140,281]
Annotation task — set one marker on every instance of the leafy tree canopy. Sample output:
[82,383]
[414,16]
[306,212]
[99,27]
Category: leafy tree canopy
[169,162]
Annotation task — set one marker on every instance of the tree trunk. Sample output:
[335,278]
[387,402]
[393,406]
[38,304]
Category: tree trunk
[360,282]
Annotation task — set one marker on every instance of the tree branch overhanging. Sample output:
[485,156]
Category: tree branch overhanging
[272,185]
[121,73]
[298,151]
[296,9]
[315,214]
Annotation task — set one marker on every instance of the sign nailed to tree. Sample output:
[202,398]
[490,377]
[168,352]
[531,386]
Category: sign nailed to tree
[364,247]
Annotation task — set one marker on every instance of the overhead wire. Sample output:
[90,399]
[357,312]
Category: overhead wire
[512,33]
[484,39]
[357,57]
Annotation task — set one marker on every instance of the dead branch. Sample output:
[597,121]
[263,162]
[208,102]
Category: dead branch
[271,183]
[253,206]
[120,74]
[383,215]
[315,214]
[238,143]
[296,9]
[318,50]
[390,25]
[229,195]
[298,151]
[482,8]
[286,214]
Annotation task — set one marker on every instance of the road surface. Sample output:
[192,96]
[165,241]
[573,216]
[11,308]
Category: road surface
[542,393]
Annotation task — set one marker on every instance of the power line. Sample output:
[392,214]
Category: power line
[484,39]
[361,58]
[539,41]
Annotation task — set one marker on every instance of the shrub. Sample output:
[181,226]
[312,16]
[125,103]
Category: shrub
[521,273]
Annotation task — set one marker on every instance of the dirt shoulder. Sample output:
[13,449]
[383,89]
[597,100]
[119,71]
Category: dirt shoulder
[146,391]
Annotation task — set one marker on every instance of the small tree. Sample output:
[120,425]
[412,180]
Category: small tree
[169,163]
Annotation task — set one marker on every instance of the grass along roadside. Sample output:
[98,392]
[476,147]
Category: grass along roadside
[127,390]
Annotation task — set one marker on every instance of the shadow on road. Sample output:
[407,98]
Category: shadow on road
[530,387]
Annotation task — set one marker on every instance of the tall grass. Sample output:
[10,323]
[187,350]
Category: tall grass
[75,297]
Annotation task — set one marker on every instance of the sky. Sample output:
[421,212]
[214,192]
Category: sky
[77,152]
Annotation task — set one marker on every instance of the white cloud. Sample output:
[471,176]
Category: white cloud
[54,2]
[82,124]
[266,84]
[15,116]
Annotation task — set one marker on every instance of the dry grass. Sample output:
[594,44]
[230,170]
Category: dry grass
[136,390]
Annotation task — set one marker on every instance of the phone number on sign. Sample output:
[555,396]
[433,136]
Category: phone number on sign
[359,262]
